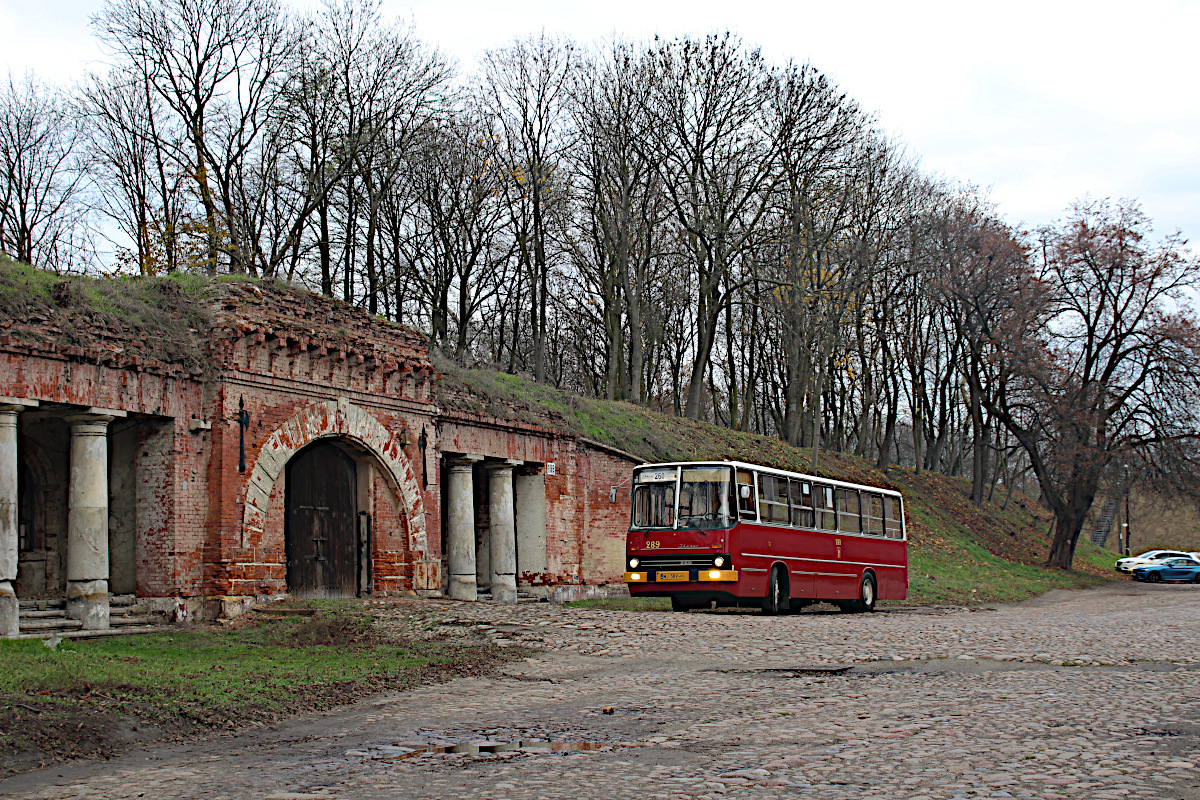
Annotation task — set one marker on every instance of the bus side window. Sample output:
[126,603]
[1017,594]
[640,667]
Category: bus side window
[772,499]
[848,513]
[745,490]
[873,514]
[823,504]
[891,518]
[801,499]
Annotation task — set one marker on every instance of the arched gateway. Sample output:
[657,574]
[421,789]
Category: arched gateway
[320,450]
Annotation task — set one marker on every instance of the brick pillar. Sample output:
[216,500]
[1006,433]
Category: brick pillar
[502,535]
[460,531]
[10,624]
[87,521]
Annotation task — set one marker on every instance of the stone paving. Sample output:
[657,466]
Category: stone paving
[1084,695]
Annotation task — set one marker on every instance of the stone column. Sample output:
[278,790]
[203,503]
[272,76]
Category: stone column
[10,624]
[460,531]
[87,521]
[529,499]
[503,534]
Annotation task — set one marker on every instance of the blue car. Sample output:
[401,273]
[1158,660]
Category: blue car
[1172,569]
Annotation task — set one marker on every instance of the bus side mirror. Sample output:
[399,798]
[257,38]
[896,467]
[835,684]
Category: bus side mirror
[612,494]
[744,491]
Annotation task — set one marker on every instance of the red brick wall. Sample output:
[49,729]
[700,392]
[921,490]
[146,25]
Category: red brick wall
[272,354]
[391,569]
[605,523]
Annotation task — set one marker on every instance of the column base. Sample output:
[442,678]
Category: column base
[10,611]
[462,587]
[504,591]
[87,601]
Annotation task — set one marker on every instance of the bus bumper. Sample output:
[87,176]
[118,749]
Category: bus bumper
[690,576]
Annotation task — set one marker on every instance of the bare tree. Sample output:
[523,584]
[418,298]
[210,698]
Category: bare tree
[42,216]
[134,162]
[716,160]
[525,89]
[622,204]
[214,63]
[1106,360]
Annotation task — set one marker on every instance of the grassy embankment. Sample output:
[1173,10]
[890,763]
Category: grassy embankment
[958,553]
[87,698]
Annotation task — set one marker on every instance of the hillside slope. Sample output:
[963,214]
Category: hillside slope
[958,553]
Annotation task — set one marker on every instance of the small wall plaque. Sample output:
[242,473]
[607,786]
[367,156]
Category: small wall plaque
[550,468]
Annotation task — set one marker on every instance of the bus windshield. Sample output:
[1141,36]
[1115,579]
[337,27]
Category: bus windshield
[706,498]
[654,497]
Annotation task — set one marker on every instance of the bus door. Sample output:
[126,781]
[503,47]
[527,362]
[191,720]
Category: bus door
[751,538]
[802,579]
[849,547]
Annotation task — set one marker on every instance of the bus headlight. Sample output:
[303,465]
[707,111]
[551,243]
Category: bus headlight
[719,562]
[715,574]
[633,562]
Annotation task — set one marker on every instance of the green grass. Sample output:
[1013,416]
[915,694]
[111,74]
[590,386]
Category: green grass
[84,697]
[200,672]
[966,573]
[949,565]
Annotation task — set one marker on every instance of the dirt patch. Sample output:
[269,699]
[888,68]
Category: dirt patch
[47,723]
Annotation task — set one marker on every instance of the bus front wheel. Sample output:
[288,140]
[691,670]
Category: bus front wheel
[776,601]
[680,604]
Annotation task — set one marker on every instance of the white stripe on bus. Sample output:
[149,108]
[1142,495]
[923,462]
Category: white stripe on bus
[825,574]
[823,561]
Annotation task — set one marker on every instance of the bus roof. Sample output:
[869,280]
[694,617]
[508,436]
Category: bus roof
[773,471]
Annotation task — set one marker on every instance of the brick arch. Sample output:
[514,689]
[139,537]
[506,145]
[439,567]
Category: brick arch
[334,419]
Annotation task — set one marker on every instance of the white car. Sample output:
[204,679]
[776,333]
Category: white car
[1128,564]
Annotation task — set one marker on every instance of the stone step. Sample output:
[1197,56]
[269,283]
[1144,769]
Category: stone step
[81,634]
[48,614]
[42,605]
[115,611]
[50,625]
[144,619]
[522,597]
[128,611]
[115,600]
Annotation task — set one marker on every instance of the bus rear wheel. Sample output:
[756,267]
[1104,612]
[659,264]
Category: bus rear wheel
[776,602]
[866,596]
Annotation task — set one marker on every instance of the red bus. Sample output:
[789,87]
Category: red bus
[734,534]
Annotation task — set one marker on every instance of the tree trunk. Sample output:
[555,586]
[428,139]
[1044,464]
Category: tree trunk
[1066,535]
[323,250]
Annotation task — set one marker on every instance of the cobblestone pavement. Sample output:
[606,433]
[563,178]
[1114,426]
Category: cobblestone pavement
[1085,694]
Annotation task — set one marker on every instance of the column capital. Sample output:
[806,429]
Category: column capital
[507,463]
[461,460]
[80,420]
[11,406]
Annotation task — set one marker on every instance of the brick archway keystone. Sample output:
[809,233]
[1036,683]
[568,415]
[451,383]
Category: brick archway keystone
[330,419]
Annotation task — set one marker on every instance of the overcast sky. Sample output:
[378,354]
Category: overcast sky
[1041,101]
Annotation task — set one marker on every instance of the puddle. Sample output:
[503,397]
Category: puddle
[485,747]
[832,669]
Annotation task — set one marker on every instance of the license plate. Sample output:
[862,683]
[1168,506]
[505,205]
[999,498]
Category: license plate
[672,576]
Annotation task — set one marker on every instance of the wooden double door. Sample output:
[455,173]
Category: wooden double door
[326,540]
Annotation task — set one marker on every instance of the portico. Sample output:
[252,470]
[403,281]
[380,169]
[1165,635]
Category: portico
[485,499]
